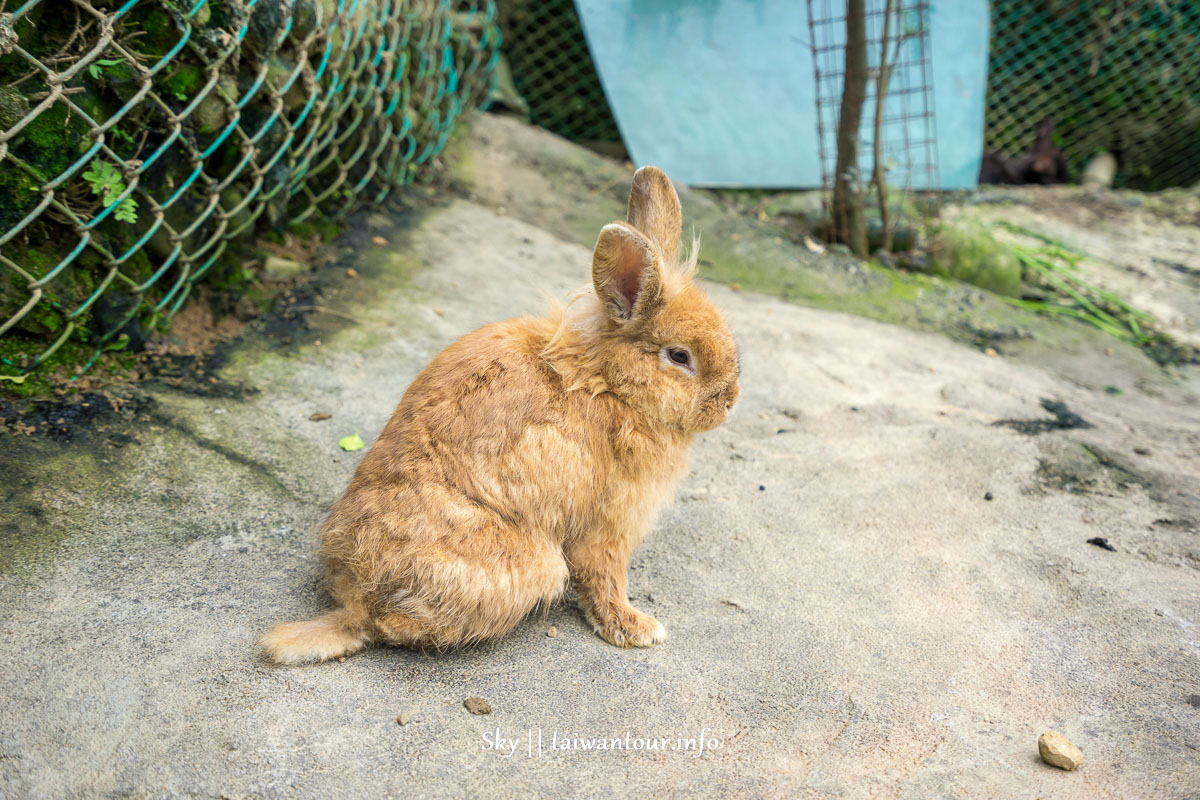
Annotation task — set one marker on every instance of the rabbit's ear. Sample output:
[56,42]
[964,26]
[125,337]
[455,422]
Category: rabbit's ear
[627,272]
[654,210]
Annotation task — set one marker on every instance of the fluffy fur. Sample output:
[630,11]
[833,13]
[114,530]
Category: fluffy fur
[529,454]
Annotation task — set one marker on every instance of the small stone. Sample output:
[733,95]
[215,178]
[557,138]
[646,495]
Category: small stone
[282,269]
[245,310]
[477,705]
[1057,751]
[737,287]
[441,312]
[988,496]
[320,416]
[351,273]
[553,632]
[991,351]
[403,718]
[1108,351]
[1142,451]
[378,241]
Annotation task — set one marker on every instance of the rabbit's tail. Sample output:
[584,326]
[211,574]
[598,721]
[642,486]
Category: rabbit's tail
[334,635]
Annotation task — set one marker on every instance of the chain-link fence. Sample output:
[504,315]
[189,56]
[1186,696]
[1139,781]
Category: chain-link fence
[553,72]
[1116,75]
[140,139]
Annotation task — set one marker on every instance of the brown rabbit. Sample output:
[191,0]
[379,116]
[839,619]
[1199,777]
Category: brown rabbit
[529,453]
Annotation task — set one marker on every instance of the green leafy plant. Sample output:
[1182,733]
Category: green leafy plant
[96,68]
[107,182]
[1054,267]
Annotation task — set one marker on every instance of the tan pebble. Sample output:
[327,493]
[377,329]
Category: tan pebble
[1057,751]
[441,312]
[320,416]
[989,352]
[403,718]
[378,240]
[1108,351]
[477,705]
[737,287]
[341,659]
[553,632]
[351,273]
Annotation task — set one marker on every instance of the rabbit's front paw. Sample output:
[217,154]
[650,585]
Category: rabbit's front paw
[631,628]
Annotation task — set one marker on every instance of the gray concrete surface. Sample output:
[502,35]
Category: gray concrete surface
[849,616]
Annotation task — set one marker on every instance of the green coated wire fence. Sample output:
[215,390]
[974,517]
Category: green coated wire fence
[140,140]
[1117,75]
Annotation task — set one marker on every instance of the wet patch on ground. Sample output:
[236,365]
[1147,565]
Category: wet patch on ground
[62,420]
[1064,420]
[1085,468]
[1068,465]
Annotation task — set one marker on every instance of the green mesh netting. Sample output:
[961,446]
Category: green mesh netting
[138,140]
[553,70]
[1122,75]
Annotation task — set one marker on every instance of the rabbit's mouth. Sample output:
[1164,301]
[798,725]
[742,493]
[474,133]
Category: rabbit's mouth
[715,409]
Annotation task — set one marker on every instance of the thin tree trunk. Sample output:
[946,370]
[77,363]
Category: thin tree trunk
[847,198]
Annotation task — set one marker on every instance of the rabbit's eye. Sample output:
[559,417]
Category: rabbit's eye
[680,357]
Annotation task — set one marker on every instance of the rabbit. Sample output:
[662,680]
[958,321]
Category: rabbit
[529,455]
[1044,164]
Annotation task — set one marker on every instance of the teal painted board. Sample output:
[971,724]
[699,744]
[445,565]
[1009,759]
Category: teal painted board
[959,34]
[722,92]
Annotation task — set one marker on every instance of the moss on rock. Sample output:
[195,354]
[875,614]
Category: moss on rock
[968,252]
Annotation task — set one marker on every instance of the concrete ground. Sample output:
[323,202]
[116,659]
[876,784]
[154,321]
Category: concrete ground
[850,614]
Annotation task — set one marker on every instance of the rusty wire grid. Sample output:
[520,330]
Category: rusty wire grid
[906,132]
[139,140]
